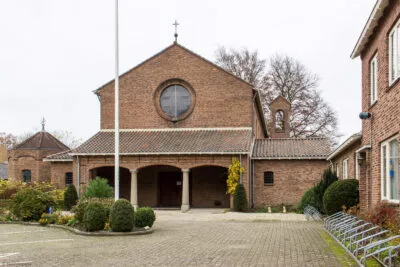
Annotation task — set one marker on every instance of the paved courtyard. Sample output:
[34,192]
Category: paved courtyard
[196,238]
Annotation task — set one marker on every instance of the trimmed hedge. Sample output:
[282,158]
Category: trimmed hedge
[144,217]
[311,198]
[344,192]
[79,209]
[30,203]
[240,199]
[70,197]
[122,216]
[94,218]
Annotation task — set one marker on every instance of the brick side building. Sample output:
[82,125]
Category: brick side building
[379,50]
[345,160]
[182,120]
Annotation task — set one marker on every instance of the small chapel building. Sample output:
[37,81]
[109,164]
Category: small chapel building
[182,120]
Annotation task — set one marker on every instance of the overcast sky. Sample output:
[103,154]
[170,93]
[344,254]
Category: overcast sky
[53,54]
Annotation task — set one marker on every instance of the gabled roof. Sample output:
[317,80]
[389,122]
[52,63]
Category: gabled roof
[369,27]
[41,141]
[187,50]
[188,141]
[291,148]
[349,142]
[62,156]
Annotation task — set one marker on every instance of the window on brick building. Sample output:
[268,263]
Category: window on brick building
[337,169]
[26,176]
[68,178]
[345,169]
[390,170]
[175,100]
[279,120]
[268,178]
[394,53]
[374,79]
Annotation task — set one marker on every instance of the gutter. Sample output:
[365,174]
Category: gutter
[161,153]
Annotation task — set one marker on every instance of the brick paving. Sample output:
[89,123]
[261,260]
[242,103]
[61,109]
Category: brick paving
[205,240]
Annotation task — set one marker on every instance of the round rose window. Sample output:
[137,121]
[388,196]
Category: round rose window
[175,101]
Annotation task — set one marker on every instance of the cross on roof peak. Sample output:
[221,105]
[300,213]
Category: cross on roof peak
[43,124]
[176,24]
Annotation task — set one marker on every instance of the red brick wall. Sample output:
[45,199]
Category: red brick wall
[32,160]
[58,172]
[292,178]
[385,113]
[221,99]
[349,153]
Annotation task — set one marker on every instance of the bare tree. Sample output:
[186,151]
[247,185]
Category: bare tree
[311,115]
[64,136]
[243,63]
[7,140]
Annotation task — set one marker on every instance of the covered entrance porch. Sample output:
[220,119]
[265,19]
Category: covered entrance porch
[169,186]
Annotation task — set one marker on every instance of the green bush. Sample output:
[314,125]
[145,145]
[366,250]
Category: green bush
[314,195]
[30,203]
[79,208]
[311,198]
[70,197]
[144,217]
[344,192]
[94,218]
[100,188]
[122,216]
[240,199]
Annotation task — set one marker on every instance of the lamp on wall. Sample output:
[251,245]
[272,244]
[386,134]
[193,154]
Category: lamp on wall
[365,115]
[361,158]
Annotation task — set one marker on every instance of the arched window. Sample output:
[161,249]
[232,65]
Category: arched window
[26,176]
[68,178]
[279,120]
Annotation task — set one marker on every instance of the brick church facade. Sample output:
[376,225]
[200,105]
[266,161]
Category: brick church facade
[182,120]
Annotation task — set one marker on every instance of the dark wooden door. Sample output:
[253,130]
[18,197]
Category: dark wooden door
[170,184]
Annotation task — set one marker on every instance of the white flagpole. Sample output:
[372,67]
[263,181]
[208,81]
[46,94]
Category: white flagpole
[116,175]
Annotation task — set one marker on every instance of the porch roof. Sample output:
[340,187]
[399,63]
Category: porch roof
[169,141]
[291,148]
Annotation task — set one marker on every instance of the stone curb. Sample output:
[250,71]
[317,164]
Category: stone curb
[78,232]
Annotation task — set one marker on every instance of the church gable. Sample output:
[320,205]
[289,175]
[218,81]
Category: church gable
[177,88]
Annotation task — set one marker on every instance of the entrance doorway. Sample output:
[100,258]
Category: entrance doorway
[170,189]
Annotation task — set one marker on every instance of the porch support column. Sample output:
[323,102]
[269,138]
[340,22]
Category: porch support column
[185,191]
[134,194]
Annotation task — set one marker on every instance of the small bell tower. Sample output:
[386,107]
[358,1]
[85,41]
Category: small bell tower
[279,124]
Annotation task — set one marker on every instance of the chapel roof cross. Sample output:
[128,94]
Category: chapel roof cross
[176,24]
[43,124]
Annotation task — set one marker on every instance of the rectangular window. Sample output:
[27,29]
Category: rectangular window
[357,167]
[345,169]
[268,178]
[337,170]
[68,178]
[394,53]
[373,69]
[26,176]
[390,170]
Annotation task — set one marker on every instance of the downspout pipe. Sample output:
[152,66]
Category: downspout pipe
[79,175]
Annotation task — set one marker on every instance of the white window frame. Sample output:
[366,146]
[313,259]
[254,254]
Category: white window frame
[345,168]
[394,53]
[386,195]
[357,167]
[373,74]
[337,170]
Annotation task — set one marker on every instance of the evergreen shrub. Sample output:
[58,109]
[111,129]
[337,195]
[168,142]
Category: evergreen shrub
[144,217]
[122,216]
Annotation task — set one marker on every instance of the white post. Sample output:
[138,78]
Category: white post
[134,191]
[116,168]
[185,191]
